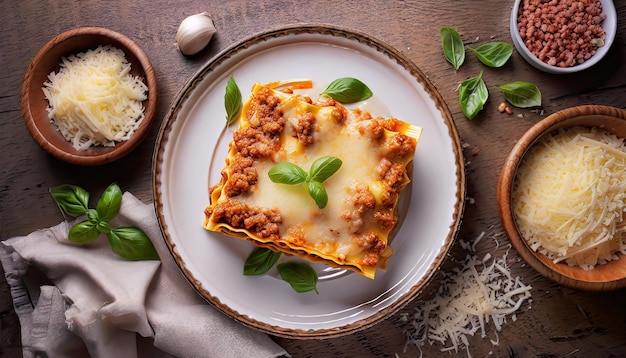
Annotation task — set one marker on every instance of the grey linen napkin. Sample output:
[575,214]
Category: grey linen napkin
[78,300]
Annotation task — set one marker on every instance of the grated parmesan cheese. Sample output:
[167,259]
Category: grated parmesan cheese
[468,299]
[570,196]
[94,99]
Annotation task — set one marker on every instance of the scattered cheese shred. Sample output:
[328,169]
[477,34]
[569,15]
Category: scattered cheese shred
[94,99]
[570,196]
[468,299]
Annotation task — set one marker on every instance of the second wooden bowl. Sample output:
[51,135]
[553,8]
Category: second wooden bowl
[609,276]
[47,60]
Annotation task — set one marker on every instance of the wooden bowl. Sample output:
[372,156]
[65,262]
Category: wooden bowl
[609,276]
[47,60]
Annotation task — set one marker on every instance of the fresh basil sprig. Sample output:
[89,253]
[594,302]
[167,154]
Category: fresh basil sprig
[493,54]
[473,95]
[347,90]
[232,100]
[453,47]
[260,261]
[130,243]
[321,169]
[521,94]
[300,276]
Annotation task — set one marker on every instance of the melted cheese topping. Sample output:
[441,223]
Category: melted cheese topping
[332,235]
[93,99]
[570,197]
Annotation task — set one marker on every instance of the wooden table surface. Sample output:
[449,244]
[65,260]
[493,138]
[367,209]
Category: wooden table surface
[560,322]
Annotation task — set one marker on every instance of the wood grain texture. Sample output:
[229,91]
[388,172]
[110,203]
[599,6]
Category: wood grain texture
[559,322]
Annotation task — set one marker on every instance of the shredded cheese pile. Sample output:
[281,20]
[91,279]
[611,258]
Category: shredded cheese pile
[94,99]
[468,299]
[570,197]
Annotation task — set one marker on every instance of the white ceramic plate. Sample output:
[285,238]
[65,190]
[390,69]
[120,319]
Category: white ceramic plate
[190,154]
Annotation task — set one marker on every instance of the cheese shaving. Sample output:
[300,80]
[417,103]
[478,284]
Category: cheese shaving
[480,292]
[94,99]
[570,196]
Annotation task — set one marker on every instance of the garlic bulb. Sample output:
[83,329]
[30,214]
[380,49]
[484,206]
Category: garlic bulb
[194,33]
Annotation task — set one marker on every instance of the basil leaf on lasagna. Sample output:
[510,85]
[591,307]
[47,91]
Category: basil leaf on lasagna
[318,193]
[348,90]
[323,167]
[287,173]
[232,100]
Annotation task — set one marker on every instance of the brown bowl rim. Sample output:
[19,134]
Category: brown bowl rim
[569,276]
[49,138]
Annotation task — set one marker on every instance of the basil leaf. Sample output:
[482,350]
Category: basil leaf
[232,100]
[103,227]
[73,200]
[93,216]
[318,193]
[287,173]
[453,48]
[347,90]
[521,94]
[110,202]
[260,261]
[300,276]
[132,243]
[83,232]
[323,167]
[493,54]
[473,95]
[100,225]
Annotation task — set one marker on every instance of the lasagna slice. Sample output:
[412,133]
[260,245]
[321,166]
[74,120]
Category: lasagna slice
[353,230]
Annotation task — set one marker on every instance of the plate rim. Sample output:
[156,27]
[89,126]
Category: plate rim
[416,74]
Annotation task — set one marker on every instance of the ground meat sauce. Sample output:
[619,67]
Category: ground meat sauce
[306,128]
[376,128]
[262,221]
[260,140]
[243,176]
[339,113]
[373,245]
[561,33]
[399,145]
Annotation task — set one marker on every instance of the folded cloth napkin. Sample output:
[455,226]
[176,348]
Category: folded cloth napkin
[78,300]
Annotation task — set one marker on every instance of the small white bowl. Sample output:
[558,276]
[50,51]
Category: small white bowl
[609,25]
